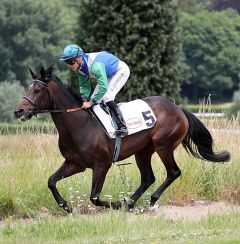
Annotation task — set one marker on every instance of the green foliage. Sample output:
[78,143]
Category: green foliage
[7,207]
[142,33]
[192,6]
[211,53]
[32,34]
[10,93]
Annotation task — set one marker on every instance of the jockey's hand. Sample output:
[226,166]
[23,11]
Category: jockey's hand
[87,105]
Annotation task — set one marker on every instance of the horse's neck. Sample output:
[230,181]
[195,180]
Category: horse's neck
[64,120]
[62,100]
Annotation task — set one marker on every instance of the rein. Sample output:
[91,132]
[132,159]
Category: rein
[68,110]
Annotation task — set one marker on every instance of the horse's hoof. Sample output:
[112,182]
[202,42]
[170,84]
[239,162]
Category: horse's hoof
[116,205]
[130,204]
[69,210]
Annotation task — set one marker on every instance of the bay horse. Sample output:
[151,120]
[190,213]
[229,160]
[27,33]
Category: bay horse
[80,135]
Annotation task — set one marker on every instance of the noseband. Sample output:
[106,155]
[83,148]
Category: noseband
[35,109]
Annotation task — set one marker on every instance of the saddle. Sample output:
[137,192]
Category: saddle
[137,115]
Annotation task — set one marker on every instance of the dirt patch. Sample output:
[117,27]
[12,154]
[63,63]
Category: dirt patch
[195,210]
[192,212]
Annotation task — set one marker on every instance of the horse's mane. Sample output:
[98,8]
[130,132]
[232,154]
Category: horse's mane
[68,88]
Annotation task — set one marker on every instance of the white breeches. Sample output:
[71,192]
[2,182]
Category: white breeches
[115,83]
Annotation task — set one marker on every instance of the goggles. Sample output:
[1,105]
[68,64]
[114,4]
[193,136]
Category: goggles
[70,61]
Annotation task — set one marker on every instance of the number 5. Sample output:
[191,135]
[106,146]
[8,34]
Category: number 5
[148,118]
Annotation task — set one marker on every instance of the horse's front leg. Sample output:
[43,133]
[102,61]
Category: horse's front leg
[99,175]
[67,169]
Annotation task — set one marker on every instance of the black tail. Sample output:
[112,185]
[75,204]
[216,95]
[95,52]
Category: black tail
[199,143]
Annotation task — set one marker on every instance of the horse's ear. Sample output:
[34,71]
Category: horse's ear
[43,72]
[49,71]
[34,75]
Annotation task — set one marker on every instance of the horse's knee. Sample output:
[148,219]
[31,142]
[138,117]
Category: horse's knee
[151,181]
[51,182]
[147,184]
[174,174]
[148,181]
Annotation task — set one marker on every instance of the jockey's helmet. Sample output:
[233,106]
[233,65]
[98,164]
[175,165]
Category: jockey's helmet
[71,51]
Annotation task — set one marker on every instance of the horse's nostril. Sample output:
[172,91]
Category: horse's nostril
[18,112]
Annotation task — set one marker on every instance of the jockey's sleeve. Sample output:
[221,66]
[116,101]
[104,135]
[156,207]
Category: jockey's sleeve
[85,87]
[99,71]
[75,84]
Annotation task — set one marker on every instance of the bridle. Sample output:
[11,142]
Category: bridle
[35,110]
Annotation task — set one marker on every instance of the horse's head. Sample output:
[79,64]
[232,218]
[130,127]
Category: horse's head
[37,97]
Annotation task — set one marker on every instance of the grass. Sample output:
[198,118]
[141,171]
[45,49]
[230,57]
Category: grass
[207,106]
[119,227]
[34,126]
[27,160]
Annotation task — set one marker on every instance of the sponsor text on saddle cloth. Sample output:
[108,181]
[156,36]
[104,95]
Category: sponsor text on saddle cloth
[137,116]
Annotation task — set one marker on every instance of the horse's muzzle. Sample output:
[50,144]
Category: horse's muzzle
[23,115]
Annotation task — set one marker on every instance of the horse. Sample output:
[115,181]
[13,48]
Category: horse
[80,134]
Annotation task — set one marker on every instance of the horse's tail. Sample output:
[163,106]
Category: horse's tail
[198,141]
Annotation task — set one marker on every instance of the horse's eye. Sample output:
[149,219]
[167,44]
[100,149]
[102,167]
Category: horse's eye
[37,90]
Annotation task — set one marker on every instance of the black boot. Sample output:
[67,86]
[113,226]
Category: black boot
[118,116]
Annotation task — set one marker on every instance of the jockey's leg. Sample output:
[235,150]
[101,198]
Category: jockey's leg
[118,116]
[115,83]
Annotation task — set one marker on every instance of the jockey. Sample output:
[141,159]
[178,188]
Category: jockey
[110,72]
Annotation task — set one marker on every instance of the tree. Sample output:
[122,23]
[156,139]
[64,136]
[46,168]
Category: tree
[192,6]
[32,34]
[142,33]
[10,94]
[211,53]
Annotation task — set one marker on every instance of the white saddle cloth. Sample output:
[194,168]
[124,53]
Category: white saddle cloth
[137,116]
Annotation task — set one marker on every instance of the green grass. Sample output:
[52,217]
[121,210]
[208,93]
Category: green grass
[27,160]
[119,227]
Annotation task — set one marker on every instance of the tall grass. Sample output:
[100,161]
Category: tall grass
[27,160]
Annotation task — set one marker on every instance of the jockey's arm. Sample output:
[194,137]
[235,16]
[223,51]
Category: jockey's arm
[85,87]
[99,71]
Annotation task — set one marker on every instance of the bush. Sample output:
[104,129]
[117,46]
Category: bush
[10,93]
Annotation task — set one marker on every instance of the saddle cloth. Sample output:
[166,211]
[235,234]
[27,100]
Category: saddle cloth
[137,116]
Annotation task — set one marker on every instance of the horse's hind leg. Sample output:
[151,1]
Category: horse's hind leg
[173,172]
[143,160]
[67,169]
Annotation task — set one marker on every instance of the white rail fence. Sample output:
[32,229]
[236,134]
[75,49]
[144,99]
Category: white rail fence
[202,115]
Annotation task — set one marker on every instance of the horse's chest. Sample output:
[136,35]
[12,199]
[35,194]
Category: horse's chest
[67,149]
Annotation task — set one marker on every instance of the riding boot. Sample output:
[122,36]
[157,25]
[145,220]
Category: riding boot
[118,116]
